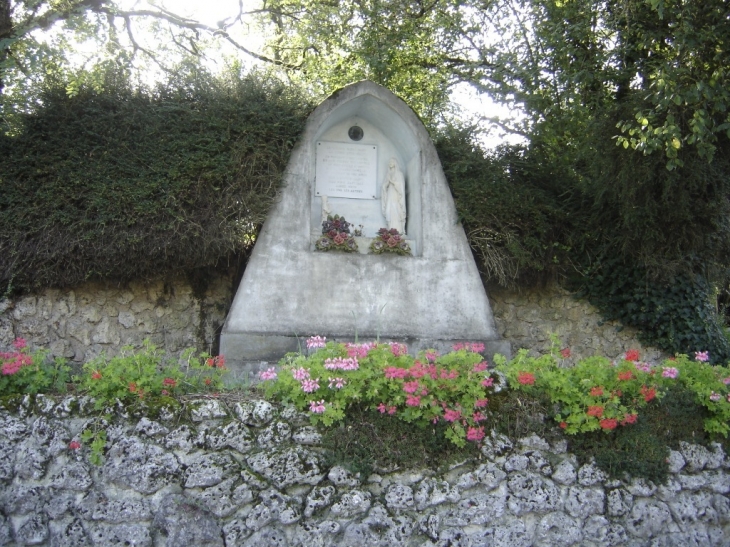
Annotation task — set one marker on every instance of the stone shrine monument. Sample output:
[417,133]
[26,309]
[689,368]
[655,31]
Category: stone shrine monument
[364,156]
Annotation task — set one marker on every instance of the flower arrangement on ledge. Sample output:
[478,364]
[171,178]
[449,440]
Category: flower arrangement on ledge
[390,241]
[336,236]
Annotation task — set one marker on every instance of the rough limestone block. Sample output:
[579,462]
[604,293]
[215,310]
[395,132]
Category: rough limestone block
[233,435]
[532,493]
[221,500]
[565,473]
[285,509]
[641,488]
[687,508]
[676,461]
[151,428]
[584,502]
[511,533]
[73,476]
[143,467]
[399,497]
[121,535]
[718,481]
[287,467]
[496,445]
[517,462]
[206,409]
[313,533]
[7,458]
[432,492]
[589,474]
[268,537]
[68,533]
[539,463]
[695,455]
[351,503]
[274,435]
[479,508]
[486,475]
[182,438]
[318,498]
[256,413]
[185,523]
[340,476]
[307,435]
[33,531]
[649,518]
[558,529]
[11,427]
[205,469]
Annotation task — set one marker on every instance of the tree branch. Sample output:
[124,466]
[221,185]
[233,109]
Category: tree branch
[184,23]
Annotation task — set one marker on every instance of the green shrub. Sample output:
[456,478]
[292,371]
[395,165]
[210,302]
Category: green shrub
[133,376]
[23,372]
[432,389]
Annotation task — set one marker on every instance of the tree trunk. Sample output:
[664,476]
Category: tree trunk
[6,30]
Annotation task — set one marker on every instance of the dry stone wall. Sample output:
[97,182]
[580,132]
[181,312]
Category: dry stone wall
[528,318]
[80,324]
[248,473]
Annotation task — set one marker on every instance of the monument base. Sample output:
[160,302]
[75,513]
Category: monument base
[262,351]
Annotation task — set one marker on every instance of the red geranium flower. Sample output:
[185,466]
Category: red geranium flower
[526,378]
[648,392]
[609,423]
[596,411]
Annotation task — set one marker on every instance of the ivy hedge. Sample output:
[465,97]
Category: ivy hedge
[129,182]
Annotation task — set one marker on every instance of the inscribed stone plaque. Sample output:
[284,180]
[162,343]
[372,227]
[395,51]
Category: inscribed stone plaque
[346,170]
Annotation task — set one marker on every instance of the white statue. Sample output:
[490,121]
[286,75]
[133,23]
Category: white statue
[393,197]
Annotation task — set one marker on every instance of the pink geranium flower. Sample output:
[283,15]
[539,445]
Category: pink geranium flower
[269,374]
[20,343]
[452,415]
[316,342]
[669,372]
[317,407]
[410,387]
[308,386]
[475,434]
[300,374]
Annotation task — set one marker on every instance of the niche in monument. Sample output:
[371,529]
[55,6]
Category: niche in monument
[365,156]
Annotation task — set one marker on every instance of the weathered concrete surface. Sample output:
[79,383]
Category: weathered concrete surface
[431,299]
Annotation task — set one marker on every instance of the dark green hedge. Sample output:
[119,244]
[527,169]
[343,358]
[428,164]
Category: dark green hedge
[515,207]
[132,183]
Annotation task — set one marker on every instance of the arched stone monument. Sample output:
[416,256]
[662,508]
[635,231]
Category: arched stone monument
[354,143]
